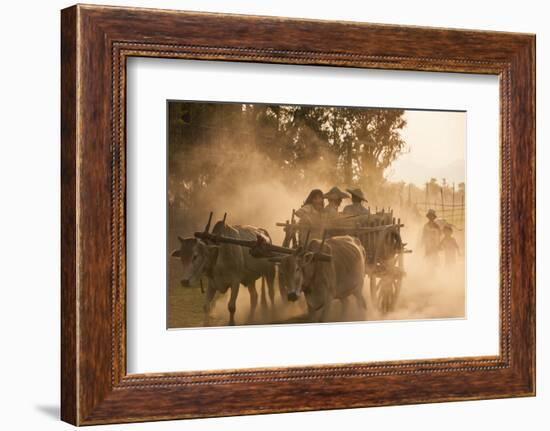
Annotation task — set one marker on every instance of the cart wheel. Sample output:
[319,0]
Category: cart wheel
[372,279]
[385,291]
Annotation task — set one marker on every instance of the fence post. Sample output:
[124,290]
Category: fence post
[453,207]
[442,202]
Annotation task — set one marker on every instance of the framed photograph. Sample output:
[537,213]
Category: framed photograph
[322,214]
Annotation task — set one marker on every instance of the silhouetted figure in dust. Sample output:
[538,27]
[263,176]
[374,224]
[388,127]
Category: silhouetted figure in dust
[449,247]
[430,241]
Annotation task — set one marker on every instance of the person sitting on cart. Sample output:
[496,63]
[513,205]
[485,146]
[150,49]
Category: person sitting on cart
[313,205]
[334,197]
[310,215]
[356,207]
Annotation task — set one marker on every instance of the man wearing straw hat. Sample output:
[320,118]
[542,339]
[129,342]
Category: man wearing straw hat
[431,234]
[334,197]
[356,207]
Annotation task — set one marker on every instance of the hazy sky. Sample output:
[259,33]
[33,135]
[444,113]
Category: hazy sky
[436,147]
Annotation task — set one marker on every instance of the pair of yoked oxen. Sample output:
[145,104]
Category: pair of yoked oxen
[323,270]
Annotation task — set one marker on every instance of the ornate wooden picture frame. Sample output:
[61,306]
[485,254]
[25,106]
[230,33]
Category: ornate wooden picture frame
[96,41]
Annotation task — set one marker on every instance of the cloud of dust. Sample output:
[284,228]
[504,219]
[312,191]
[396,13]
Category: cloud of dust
[249,188]
[428,291]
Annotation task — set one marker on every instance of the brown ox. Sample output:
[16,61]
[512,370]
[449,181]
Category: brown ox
[323,281]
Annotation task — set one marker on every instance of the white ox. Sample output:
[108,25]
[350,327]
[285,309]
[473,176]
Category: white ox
[323,281]
[226,266]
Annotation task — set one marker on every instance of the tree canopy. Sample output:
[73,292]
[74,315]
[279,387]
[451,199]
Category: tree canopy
[343,145]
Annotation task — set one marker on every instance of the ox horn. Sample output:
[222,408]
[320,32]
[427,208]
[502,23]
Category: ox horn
[224,217]
[322,241]
[207,227]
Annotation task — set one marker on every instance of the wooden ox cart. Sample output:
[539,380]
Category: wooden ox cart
[380,234]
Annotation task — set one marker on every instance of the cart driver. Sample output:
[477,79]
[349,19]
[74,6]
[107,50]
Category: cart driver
[334,197]
[356,207]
